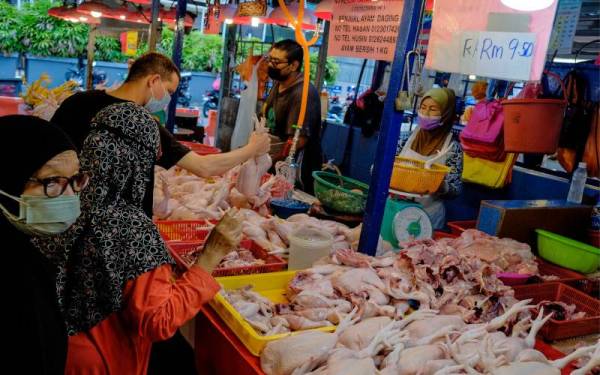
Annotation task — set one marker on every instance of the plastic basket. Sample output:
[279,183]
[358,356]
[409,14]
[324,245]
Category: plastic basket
[558,330]
[533,125]
[272,286]
[545,269]
[335,192]
[185,253]
[591,287]
[410,176]
[184,230]
[201,149]
[566,252]
[458,227]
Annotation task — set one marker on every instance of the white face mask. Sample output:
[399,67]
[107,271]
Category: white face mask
[43,216]
[156,105]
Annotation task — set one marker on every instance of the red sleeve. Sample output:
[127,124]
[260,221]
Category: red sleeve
[158,304]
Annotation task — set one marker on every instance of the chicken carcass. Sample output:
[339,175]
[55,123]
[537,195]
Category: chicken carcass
[305,350]
[250,175]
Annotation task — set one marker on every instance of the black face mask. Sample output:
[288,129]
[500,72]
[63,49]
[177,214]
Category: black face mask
[276,75]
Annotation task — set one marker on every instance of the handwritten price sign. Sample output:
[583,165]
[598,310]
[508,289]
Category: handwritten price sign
[501,55]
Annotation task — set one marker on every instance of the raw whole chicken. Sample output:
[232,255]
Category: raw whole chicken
[305,350]
[250,175]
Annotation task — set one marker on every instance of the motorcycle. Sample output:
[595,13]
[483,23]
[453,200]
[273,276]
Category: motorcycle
[210,101]
[78,72]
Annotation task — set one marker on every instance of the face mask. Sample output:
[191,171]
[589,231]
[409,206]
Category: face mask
[276,75]
[43,216]
[429,122]
[156,105]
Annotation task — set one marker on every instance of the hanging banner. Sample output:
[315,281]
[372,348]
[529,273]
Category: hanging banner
[129,43]
[211,22]
[365,29]
[565,26]
[489,21]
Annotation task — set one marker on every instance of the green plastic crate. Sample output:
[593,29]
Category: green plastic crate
[566,252]
[334,192]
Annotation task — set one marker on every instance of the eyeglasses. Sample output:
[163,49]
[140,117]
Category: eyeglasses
[56,186]
[275,61]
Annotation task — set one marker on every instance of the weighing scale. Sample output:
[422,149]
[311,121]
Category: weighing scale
[404,220]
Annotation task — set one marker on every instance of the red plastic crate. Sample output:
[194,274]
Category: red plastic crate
[591,287]
[185,253]
[458,227]
[552,354]
[201,149]
[184,230]
[438,235]
[549,269]
[558,330]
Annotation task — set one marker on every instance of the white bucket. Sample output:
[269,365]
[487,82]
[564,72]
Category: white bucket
[308,245]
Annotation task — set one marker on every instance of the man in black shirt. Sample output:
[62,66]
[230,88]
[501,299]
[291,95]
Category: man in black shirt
[151,80]
[283,107]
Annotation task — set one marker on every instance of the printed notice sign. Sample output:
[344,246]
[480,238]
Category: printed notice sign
[499,55]
[365,29]
[452,19]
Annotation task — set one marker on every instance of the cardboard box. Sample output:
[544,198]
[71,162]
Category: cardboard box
[518,219]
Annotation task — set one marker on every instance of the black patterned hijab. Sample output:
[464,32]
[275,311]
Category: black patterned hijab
[114,241]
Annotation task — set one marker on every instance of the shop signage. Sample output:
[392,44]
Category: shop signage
[497,54]
[510,37]
[365,29]
[129,43]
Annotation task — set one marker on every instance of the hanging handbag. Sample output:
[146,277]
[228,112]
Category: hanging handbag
[488,173]
[591,154]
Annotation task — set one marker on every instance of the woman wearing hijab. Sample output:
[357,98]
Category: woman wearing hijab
[434,135]
[38,198]
[117,289]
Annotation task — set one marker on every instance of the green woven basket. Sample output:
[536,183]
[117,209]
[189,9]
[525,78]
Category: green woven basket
[334,192]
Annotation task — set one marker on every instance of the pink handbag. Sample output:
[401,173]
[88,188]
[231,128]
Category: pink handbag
[486,123]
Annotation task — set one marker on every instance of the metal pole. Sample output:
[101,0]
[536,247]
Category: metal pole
[177,50]
[89,78]
[154,26]
[229,37]
[322,64]
[390,131]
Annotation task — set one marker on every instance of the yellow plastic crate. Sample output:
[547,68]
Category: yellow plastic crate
[271,286]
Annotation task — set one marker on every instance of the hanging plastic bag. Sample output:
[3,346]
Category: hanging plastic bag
[404,100]
[243,122]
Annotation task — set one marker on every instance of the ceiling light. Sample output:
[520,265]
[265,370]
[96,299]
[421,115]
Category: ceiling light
[83,19]
[228,21]
[96,14]
[123,17]
[255,21]
[528,5]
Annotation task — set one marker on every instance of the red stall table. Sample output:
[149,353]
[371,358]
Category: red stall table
[218,350]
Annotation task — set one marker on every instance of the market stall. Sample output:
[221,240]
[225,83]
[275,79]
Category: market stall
[359,279]
[473,299]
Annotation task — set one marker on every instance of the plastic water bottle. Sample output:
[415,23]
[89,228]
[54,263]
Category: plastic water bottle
[577,184]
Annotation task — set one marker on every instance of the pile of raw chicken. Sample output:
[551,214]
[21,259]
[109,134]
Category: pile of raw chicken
[273,233]
[424,343]
[507,254]
[430,309]
[240,257]
[179,195]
